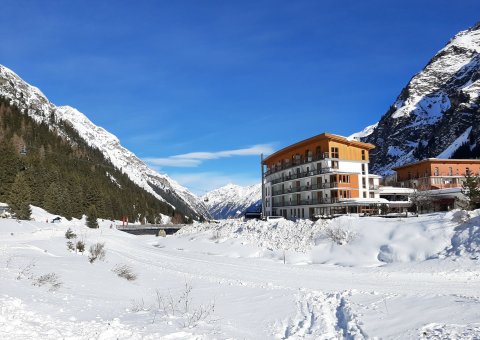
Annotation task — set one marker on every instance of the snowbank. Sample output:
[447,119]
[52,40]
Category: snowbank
[347,240]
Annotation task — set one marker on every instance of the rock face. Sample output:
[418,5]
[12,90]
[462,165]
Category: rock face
[233,200]
[30,100]
[437,113]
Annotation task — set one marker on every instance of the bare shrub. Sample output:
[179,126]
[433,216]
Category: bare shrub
[339,235]
[215,236]
[27,270]
[125,272]
[138,306]
[181,307]
[51,279]
[97,252]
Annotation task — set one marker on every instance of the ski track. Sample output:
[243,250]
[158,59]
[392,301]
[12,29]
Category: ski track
[322,316]
[435,331]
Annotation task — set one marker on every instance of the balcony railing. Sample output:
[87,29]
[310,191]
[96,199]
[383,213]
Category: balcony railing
[295,189]
[313,201]
[303,174]
[297,162]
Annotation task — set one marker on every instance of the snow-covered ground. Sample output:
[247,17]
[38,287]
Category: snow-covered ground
[351,277]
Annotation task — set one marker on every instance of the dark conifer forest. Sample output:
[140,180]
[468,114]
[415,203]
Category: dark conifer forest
[64,175]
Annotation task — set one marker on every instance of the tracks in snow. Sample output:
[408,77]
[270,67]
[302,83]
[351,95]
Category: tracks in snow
[322,316]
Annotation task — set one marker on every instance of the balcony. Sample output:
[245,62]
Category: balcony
[297,162]
[305,202]
[304,174]
[328,185]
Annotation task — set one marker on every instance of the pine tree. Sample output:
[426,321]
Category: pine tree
[470,188]
[92,217]
[19,198]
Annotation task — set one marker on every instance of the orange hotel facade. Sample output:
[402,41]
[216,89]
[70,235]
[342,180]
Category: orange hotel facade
[323,175]
[434,173]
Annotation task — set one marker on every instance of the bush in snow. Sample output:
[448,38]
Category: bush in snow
[97,252]
[27,270]
[181,308]
[339,236]
[70,246]
[125,272]
[340,231]
[51,279]
[80,246]
[69,234]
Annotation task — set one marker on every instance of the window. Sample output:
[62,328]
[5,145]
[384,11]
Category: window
[450,171]
[364,157]
[435,171]
[363,169]
[308,155]
[364,195]
[467,171]
[335,164]
[334,152]
[364,183]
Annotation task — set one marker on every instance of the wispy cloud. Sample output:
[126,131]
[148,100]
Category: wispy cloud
[194,159]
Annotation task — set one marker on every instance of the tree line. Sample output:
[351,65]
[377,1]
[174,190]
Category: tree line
[64,175]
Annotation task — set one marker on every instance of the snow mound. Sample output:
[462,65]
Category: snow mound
[466,240]
[345,241]
[278,235]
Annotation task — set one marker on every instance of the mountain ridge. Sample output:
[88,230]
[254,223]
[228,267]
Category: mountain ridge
[437,106]
[31,101]
[233,200]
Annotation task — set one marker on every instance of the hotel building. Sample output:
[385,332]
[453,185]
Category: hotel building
[323,175]
[434,173]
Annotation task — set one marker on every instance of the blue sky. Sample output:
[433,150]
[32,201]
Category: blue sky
[199,88]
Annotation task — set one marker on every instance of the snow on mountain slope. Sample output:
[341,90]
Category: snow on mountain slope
[33,102]
[232,200]
[364,133]
[435,108]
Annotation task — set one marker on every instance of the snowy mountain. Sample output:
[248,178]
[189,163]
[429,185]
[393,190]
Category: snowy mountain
[437,113]
[33,102]
[232,200]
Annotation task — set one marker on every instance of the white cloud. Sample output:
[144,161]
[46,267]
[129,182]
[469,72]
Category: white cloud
[193,159]
[173,162]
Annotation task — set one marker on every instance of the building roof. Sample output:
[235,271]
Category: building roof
[322,136]
[438,160]
[386,190]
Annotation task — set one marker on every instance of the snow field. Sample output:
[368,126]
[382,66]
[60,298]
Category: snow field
[421,287]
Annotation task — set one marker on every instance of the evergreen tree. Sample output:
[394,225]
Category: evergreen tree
[470,188]
[19,198]
[9,166]
[92,217]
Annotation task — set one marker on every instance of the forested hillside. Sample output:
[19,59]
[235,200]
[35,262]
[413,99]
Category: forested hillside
[66,176]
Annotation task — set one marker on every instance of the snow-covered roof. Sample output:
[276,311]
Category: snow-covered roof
[359,201]
[395,190]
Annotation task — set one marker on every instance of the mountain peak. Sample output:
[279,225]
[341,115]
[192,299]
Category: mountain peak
[232,200]
[434,110]
[33,102]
